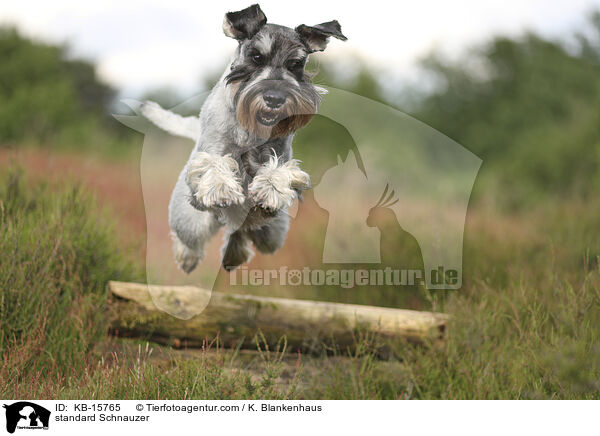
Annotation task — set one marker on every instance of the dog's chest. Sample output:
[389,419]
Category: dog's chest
[250,160]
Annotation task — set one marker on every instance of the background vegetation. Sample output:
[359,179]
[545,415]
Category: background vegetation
[58,252]
[530,111]
[525,324]
[51,100]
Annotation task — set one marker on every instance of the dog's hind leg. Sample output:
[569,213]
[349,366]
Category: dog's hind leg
[270,237]
[236,251]
[186,258]
[191,228]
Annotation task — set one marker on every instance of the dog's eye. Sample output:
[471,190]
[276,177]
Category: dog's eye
[258,58]
[295,64]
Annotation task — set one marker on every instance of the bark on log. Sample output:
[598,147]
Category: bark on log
[307,325]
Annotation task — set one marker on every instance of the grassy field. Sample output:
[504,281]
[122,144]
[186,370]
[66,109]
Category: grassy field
[526,323]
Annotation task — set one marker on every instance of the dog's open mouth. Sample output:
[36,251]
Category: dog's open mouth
[268,118]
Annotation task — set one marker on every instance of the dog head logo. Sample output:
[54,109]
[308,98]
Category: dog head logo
[26,415]
[267,84]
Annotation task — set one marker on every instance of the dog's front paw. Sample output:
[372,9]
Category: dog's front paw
[271,192]
[220,197]
[213,182]
[276,187]
[264,210]
[299,180]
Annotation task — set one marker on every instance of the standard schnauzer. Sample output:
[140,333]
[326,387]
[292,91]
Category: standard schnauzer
[241,173]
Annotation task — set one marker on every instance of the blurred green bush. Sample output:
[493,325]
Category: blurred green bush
[48,98]
[529,107]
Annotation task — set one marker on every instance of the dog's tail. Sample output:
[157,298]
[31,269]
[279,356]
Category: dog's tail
[188,127]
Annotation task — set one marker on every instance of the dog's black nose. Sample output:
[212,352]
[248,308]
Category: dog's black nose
[274,98]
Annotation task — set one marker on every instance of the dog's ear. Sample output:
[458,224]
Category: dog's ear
[244,24]
[317,37]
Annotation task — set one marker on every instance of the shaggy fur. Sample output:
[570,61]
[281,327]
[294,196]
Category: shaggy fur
[241,173]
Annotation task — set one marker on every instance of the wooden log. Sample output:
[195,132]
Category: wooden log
[306,325]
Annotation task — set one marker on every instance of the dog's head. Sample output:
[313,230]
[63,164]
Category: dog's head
[268,86]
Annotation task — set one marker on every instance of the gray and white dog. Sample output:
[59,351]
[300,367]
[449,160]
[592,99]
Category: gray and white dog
[241,173]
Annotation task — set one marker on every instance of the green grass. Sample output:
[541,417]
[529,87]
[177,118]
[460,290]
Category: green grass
[525,325]
[57,255]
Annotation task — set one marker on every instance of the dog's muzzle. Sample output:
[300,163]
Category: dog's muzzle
[270,113]
[273,108]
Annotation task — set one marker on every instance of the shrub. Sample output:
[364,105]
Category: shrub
[58,252]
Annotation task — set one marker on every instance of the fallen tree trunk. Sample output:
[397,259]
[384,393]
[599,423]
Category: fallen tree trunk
[307,325]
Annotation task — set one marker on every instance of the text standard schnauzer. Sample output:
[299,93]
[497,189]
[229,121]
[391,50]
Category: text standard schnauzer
[241,174]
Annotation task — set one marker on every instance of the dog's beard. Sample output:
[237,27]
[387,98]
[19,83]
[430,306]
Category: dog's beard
[255,116]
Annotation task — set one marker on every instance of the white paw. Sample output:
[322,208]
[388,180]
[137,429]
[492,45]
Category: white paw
[273,186]
[298,179]
[213,181]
